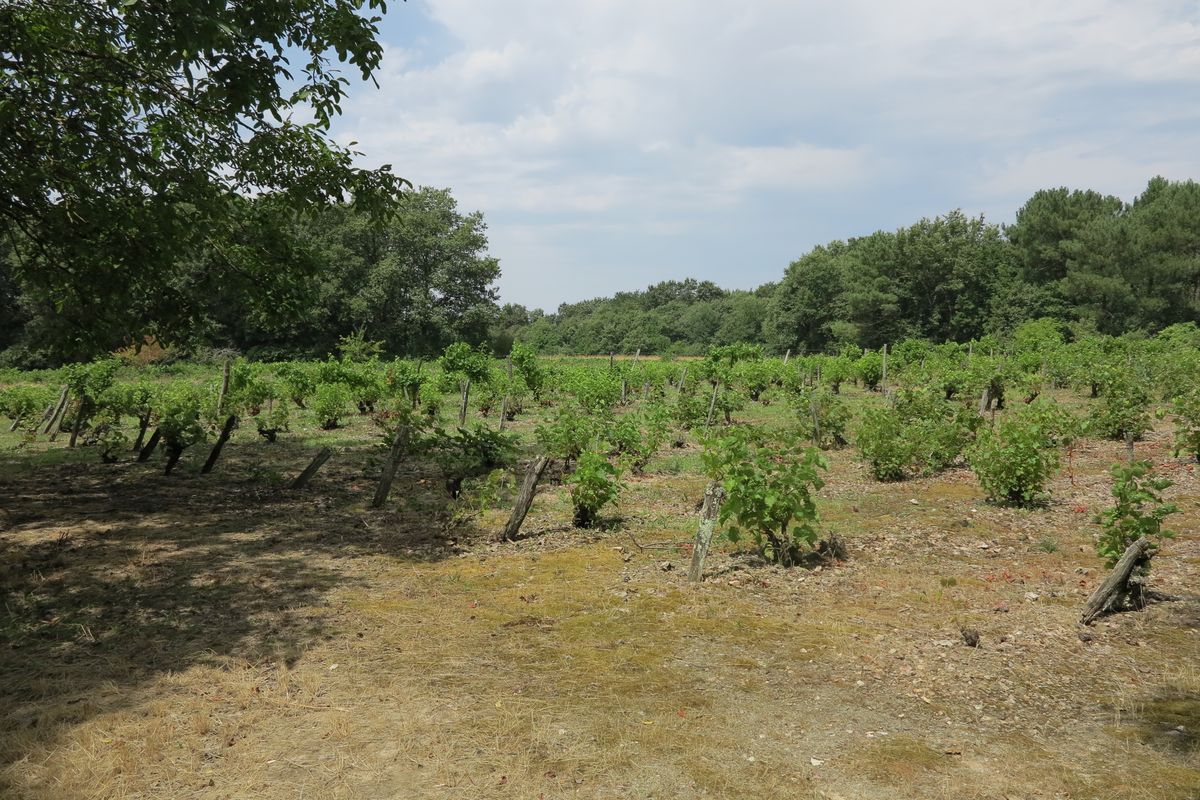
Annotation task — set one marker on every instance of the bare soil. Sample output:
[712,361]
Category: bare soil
[222,637]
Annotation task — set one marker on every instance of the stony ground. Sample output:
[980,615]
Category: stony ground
[222,637]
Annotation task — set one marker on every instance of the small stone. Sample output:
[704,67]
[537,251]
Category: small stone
[1031,596]
[666,566]
[971,637]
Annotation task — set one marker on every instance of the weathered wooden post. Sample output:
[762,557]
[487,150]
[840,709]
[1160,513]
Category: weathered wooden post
[1121,589]
[304,477]
[712,405]
[224,385]
[465,387]
[215,453]
[524,499]
[59,409]
[145,453]
[714,495]
[395,454]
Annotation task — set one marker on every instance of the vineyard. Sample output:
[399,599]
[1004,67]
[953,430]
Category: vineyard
[853,574]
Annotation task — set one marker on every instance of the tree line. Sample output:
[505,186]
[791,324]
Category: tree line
[422,278]
[1081,258]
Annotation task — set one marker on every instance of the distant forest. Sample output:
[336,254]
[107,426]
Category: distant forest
[1086,259]
[423,278]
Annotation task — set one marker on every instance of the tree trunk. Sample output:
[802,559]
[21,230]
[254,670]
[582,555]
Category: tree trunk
[1122,589]
[304,477]
[524,499]
[714,495]
[399,447]
[148,450]
[215,453]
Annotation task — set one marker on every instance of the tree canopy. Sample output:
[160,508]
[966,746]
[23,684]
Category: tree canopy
[132,133]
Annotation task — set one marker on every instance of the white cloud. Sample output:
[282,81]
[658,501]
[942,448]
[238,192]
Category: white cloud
[623,114]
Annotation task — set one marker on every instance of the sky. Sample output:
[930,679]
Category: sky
[612,144]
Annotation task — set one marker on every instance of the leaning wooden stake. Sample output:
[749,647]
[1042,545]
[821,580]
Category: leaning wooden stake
[215,453]
[713,497]
[81,413]
[1122,588]
[59,409]
[399,446]
[224,385]
[465,386]
[145,453]
[712,406]
[304,477]
[524,499]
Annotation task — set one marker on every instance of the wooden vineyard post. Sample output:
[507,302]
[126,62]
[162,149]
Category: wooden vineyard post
[215,453]
[1129,446]
[712,405]
[786,356]
[399,446]
[503,410]
[143,425]
[224,385]
[682,379]
[145,453]
[524,499]
[465,387]
[714,495]
[1121,589]
[80,413]
[883,376]
[304,477]
[59,409]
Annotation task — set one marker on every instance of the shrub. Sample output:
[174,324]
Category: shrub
[594,484]
[770,485]
[567,434]
[471,453]
[919,434]
[330,402]
[822,417]
[1015,458]
[299,381]
[24,404]
[869,369]
[1187,423]
[1139,510]
[178,409]
[1121,411]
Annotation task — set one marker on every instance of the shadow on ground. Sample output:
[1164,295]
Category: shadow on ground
[114,574]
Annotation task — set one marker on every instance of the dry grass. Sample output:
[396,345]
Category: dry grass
[218,638]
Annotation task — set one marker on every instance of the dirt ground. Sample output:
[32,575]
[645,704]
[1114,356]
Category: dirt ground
[224,637]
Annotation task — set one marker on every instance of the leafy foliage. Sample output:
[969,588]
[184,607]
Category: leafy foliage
[132,129]
[1138,510]
[331,402]
[1015,458]
[594,484]
[919,434]
[770,485]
